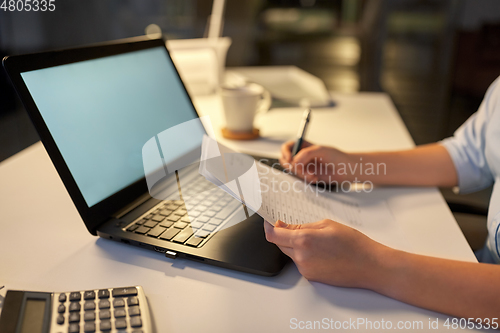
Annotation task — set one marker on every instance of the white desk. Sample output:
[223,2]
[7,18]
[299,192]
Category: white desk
[44,244]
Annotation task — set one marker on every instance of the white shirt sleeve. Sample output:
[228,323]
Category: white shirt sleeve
[467,146]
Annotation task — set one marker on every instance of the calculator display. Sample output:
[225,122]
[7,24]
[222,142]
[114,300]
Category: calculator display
[33,316]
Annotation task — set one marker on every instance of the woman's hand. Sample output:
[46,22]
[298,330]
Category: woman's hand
[315,163]
[428,165]
[331,253]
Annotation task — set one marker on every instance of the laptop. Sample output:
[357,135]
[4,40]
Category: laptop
[95,108]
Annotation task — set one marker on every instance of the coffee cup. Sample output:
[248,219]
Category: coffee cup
[242,103]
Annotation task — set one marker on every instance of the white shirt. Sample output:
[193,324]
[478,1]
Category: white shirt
[475,151]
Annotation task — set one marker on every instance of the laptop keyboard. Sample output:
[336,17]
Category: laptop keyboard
[190,221]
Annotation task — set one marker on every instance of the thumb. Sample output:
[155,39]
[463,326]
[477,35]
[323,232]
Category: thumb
[281,224]
[314,225]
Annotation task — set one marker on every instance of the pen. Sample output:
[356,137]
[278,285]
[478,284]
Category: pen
[302,132]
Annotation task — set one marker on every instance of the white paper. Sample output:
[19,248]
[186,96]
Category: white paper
[276,195]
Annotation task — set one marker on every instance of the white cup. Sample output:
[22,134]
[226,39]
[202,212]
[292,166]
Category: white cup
[241,105]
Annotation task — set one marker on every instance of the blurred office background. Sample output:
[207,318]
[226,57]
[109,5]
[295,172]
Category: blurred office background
[435,58]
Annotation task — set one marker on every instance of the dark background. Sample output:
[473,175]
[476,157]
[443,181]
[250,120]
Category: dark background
[435,58]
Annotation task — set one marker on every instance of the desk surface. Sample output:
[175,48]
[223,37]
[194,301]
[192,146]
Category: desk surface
[44,244]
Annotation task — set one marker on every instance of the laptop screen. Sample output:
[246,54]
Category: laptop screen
[101,112]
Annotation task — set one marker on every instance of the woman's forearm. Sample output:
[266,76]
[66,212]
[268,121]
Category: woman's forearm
[457,288]
[428,165]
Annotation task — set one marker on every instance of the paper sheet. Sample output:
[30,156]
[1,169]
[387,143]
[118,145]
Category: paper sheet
[276,195]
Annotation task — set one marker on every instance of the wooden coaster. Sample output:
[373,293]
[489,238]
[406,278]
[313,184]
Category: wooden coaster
[234,135]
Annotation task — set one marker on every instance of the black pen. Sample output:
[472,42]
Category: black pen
[302,132]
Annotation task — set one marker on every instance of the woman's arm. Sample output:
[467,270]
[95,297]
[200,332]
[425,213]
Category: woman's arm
[457,288]
[428,165]
[332,253]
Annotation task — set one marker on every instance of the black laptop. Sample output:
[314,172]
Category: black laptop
[95,108]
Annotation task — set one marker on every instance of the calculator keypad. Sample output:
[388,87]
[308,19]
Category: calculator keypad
[105,310]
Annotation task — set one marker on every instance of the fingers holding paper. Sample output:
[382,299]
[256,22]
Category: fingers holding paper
[329,252]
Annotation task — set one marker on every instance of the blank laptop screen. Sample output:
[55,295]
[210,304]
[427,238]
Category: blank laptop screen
[101,112]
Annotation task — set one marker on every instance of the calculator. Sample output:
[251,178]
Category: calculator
[102,310]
